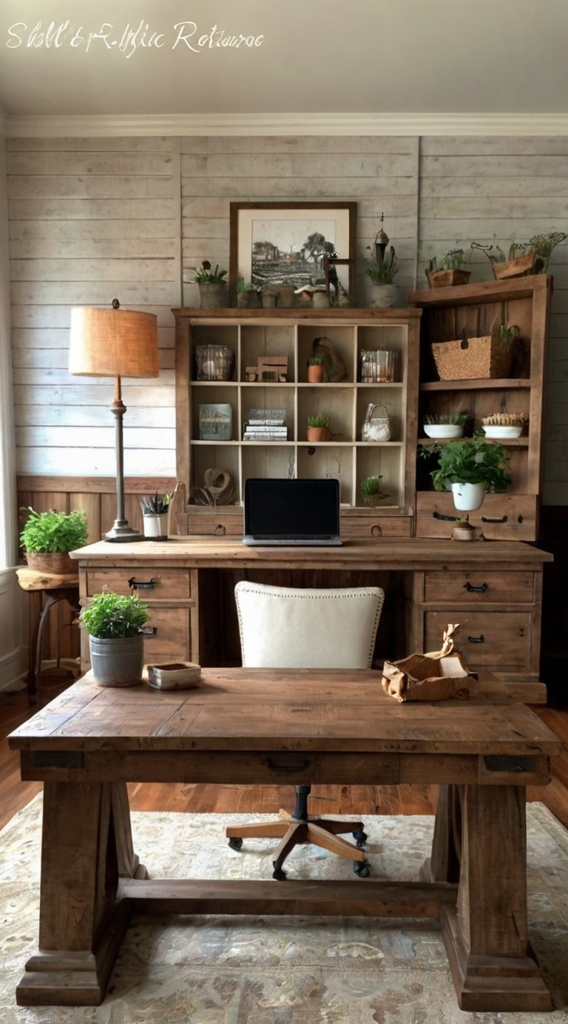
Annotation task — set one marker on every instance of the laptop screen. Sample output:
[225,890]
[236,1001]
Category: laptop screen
[291,508]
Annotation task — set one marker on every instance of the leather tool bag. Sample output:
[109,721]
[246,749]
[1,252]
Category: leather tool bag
[434,676]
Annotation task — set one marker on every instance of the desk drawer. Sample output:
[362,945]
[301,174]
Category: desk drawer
[486,639]
[172,637]
[479,587]
[150,584]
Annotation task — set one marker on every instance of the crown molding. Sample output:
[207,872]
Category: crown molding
[49,125]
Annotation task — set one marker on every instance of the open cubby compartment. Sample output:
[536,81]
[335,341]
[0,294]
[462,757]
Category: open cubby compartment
[342,338]
[218,457]
[391,396]
[385,461]
[272,459]
[386,337]
[267,397]
[214,334]
[334,401]
[329,461]
[210,394]
[258,340]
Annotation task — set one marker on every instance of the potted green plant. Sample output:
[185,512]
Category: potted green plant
[447,270]
[318,428]
[316,367]
[212,286]
[382,271]
[47,537]
[244,293]
[371,490]
[470,468]
[445,425]
[114,624]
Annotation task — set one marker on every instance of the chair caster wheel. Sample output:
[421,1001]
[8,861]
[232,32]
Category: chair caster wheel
[279,874]
[360,838]
[236,843]
[361,868]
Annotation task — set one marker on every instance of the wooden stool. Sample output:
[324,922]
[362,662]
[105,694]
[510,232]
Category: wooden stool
[51,590]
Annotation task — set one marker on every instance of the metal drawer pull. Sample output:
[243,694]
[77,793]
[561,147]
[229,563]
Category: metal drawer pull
[492,519]
[477,639]
[476,590]
[220,530]
[135,585]
[273,766]
[150,631]
[376,531]
[447,519]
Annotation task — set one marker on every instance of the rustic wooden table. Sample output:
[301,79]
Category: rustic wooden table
[294,727]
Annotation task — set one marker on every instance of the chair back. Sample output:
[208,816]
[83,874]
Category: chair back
[287,627]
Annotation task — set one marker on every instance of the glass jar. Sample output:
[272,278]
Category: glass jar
[213,362]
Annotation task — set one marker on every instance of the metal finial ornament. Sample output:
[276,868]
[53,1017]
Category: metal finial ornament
[381,242]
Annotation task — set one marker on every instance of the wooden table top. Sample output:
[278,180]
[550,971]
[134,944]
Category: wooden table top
[385,553]
[261,709]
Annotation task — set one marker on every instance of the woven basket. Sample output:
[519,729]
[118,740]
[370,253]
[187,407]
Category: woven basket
[54,563]
[472,358]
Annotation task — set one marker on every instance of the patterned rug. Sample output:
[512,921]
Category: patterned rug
[291,970]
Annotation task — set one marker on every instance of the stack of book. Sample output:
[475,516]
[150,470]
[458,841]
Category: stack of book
[265,425]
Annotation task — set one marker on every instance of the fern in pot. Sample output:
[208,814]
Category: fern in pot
[48,537]
[114,623]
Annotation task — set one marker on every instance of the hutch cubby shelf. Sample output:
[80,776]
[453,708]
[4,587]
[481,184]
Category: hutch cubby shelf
[250,336]
[473,310]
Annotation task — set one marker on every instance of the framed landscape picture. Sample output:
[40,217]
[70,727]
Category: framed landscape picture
[274,244]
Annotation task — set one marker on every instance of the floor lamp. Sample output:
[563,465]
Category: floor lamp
[114,343]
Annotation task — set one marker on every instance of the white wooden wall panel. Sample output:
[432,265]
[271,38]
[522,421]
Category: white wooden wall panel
[380,174]
[131,216]
[91,220]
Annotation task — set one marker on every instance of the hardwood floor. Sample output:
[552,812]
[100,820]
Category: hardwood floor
[357,800]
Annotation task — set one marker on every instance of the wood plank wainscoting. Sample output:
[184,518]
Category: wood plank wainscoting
[97,496]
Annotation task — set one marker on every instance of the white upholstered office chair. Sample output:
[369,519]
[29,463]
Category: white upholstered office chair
[285,627]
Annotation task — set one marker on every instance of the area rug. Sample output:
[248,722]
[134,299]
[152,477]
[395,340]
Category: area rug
[270,970]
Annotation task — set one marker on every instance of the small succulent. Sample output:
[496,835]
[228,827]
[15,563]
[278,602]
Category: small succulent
[454,418]
[318,420]
[453,259]
[242,285]
[316,360]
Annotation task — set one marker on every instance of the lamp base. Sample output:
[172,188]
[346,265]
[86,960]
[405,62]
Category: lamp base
[122,533]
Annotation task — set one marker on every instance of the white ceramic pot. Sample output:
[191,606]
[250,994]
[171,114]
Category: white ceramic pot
[468,497]
[156,526]
[444,430]
[503,433]
[384,296]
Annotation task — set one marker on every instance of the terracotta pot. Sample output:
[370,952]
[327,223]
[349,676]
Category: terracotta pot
[315,374]
[318,434]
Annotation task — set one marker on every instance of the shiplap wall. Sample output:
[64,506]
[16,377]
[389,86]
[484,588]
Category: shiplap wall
[91,219]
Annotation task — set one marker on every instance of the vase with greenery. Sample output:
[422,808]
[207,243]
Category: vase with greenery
[316,368]
[318,428]
[244,293]
[382,271]
[47,537]
[212,285]
[114,623]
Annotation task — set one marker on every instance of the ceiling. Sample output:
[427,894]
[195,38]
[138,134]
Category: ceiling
[311,57]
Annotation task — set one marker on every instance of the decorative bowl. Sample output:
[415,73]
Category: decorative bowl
[443,430]
[176,676]
[499,432]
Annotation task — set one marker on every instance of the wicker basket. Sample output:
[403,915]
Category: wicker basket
[54,563]
[472,358]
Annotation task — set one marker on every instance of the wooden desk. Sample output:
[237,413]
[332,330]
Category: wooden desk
[284,727]
[492,588]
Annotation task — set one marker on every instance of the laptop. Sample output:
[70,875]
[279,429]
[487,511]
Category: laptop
[291,513]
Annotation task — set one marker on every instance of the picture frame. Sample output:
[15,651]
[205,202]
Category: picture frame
[268,244]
